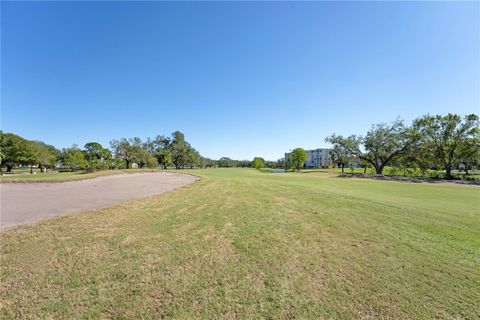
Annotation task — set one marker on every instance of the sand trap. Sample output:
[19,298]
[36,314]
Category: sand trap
[25,203]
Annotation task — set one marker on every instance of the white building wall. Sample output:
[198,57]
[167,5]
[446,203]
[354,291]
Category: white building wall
[318,158]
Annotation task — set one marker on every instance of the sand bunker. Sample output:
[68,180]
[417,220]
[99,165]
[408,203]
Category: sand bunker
[25,203]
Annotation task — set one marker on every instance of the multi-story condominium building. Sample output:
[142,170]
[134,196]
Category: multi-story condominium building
[316,158]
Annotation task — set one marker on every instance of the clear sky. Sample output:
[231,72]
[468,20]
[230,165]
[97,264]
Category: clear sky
[239,79]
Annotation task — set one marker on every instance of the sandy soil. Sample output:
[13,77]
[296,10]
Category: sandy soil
[25,203]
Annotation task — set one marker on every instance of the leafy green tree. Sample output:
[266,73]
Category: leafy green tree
[96,156]
[258,163]
[206,162]
[280,163]
[43,155]
[30,155]
[382,144]
[193,158]
[244,163]
[209,163]
[139,154]
[179,149]
[15,150]
[469,153]
[160,149]
[226,162]
[164,158]
[92,151]
[116,163]
[340,156]
[161,142]
[449,138]
[297,158]
[123,150]
[145,159]
[175,150]
[106,158]
[416,161]
[74,158]
[273,164]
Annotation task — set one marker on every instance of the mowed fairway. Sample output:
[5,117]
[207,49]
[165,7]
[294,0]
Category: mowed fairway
[245,244]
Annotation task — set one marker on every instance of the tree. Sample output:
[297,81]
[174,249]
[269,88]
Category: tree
[226,162]
[469,153]
[244,164]
[96,156]
[144,158]
[297,158]
[123,150]
[43,155]
[30,155]
[209,163]
[164,158]
[179,149]
[161,143]
[160,149]
[258,163]
[116,163]
[15,150]
[364,165]
[19,151]
[448,138]
[139,154]
[340,156]
[74,158]
[382,144]
[193,157]
[106,158]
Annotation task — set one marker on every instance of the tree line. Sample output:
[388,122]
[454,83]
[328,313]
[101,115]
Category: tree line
[164,151]
[124,153]
[430,142]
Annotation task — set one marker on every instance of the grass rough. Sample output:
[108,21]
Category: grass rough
[245,244]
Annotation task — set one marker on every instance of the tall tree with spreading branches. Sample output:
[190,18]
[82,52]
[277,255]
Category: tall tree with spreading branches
[449,138]
[382,143]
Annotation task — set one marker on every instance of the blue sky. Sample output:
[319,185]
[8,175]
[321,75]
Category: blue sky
[239,79]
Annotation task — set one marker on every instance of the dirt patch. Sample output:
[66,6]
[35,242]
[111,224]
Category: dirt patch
[31,202]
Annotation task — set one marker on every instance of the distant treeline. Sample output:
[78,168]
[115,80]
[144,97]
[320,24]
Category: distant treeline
[161,151]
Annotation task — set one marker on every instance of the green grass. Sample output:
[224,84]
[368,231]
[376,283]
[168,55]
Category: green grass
[66,176]
[411,172]
[246,244]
